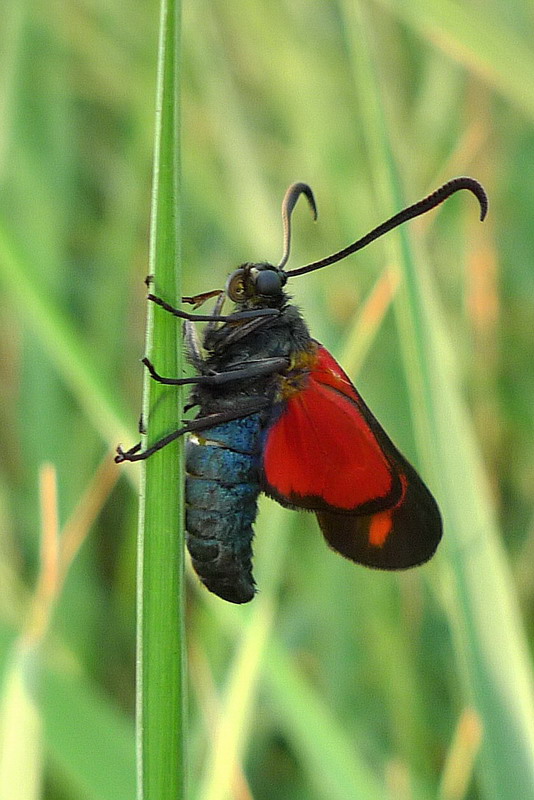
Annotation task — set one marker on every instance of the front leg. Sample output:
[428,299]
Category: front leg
[257,369]
[235,317]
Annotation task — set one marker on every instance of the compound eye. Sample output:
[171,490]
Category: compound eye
[268,283]
[236,288]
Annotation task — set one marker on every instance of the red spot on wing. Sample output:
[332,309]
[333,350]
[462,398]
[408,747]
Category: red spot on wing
[321,453]
[381,524]
[380,527]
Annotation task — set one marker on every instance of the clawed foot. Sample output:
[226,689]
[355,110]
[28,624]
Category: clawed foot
[127,455]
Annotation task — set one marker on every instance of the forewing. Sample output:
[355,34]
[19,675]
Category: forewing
[326,452]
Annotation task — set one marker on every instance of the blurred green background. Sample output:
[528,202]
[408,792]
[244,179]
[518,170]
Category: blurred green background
[337,682]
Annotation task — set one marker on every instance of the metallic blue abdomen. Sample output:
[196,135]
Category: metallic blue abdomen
[221,491]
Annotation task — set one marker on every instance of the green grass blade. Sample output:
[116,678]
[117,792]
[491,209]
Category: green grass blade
[21,746]
[482,606]
[237,701]
[98,733]
[483,610]
[478,42]
[61,341]
[328,753]
[161,691]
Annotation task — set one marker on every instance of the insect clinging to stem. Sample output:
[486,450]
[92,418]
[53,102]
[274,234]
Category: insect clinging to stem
[277,414]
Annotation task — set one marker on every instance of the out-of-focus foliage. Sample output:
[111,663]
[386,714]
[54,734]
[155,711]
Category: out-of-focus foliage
[336,678]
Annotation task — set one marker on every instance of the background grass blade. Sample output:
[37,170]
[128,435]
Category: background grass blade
[56,333]
[496,54]
[498,678]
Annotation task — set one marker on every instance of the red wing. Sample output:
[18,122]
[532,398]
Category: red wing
[327,452]
[322,454]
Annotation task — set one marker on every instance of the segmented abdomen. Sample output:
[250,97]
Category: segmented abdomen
[222,488]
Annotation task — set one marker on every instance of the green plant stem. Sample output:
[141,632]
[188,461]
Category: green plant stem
[160,651]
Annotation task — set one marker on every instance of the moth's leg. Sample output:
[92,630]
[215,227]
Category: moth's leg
[217,310]
[242,330]
[200,424]
[196,300]
[199,299]
[235,317]
[193,347]
[259,368]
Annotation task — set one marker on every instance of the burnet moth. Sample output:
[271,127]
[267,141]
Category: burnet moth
[277,414]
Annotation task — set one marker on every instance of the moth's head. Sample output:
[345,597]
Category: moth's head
[257,286]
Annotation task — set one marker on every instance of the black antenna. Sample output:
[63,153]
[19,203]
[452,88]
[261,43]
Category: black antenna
[424,205]
[288,204]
